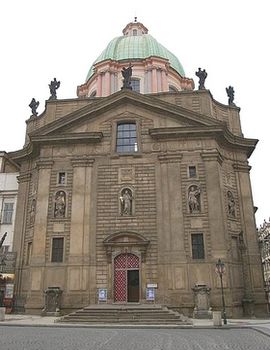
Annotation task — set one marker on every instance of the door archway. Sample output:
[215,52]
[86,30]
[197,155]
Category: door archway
[126,278]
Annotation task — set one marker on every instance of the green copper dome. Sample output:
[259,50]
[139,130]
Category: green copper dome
[136,47]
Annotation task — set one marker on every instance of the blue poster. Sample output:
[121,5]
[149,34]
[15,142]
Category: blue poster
[150,294]
[102,294]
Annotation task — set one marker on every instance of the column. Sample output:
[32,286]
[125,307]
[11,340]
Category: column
[164,81]
[99,85]
[107,83]
[154,80]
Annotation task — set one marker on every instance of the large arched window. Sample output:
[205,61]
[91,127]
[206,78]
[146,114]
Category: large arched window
[126,140]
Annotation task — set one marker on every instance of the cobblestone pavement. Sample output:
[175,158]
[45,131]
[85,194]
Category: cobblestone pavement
[50,338]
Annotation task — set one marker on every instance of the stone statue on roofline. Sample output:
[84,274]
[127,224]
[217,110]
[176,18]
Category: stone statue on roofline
[127,73]
[54,85]
[202,75]
[230,93]
[34,105]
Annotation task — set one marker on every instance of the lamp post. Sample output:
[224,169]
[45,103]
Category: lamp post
[220,270]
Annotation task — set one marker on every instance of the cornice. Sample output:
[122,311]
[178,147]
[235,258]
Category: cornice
[220,133]
[68,137]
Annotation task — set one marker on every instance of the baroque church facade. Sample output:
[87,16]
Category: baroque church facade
[122,189]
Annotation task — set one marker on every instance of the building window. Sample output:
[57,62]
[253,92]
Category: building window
[126,138]
[135,33]
[57,249]
[192,172]
[7,213]
[197,246]
[61,178]
[135,84]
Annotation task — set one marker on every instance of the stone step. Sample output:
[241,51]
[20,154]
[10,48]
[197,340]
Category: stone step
[121,321]
[125,314]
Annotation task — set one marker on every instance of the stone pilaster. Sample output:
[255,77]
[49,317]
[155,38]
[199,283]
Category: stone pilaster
[38,260]
[212,162]
[40,226]
[80,213]
[170,204]
[252,276]
[19,231]
[80,235]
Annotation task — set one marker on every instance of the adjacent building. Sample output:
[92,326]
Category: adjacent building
[9,171]
[136,185]
[264,241]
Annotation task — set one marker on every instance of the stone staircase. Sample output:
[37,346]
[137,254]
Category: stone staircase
[126,315]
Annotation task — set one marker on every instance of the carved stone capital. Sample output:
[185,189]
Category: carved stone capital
[24,177]
[45,163]
[212,155]
[82,162]
[242,167]
[170,158]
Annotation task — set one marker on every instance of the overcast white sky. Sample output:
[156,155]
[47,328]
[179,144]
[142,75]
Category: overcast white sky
[43,39]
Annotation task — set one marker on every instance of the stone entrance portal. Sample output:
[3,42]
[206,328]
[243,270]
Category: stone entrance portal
[126,278]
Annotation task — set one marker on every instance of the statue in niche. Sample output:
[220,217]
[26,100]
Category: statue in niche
[202,75]
[60,205]
[33,211]
[34,105]
[194,200]
[126,199]
[231,204]
[127,73]
[230,93]
[54,85]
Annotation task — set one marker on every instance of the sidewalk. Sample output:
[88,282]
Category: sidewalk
[261,325]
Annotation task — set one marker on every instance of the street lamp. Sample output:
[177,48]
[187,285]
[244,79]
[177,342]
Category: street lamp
[220,270]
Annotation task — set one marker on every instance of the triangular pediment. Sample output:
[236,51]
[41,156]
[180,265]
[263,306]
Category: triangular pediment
[168,121]
[120,103]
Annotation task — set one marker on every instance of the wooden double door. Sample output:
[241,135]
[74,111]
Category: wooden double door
[126,278]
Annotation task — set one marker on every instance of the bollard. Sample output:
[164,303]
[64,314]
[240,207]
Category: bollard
[217,322]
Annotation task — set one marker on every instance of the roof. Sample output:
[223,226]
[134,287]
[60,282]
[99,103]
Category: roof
[136,47]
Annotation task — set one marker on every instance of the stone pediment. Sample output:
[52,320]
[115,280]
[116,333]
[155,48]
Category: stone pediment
[127,101]
[126,240]
[76,127]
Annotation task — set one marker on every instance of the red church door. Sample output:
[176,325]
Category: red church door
[126,278]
